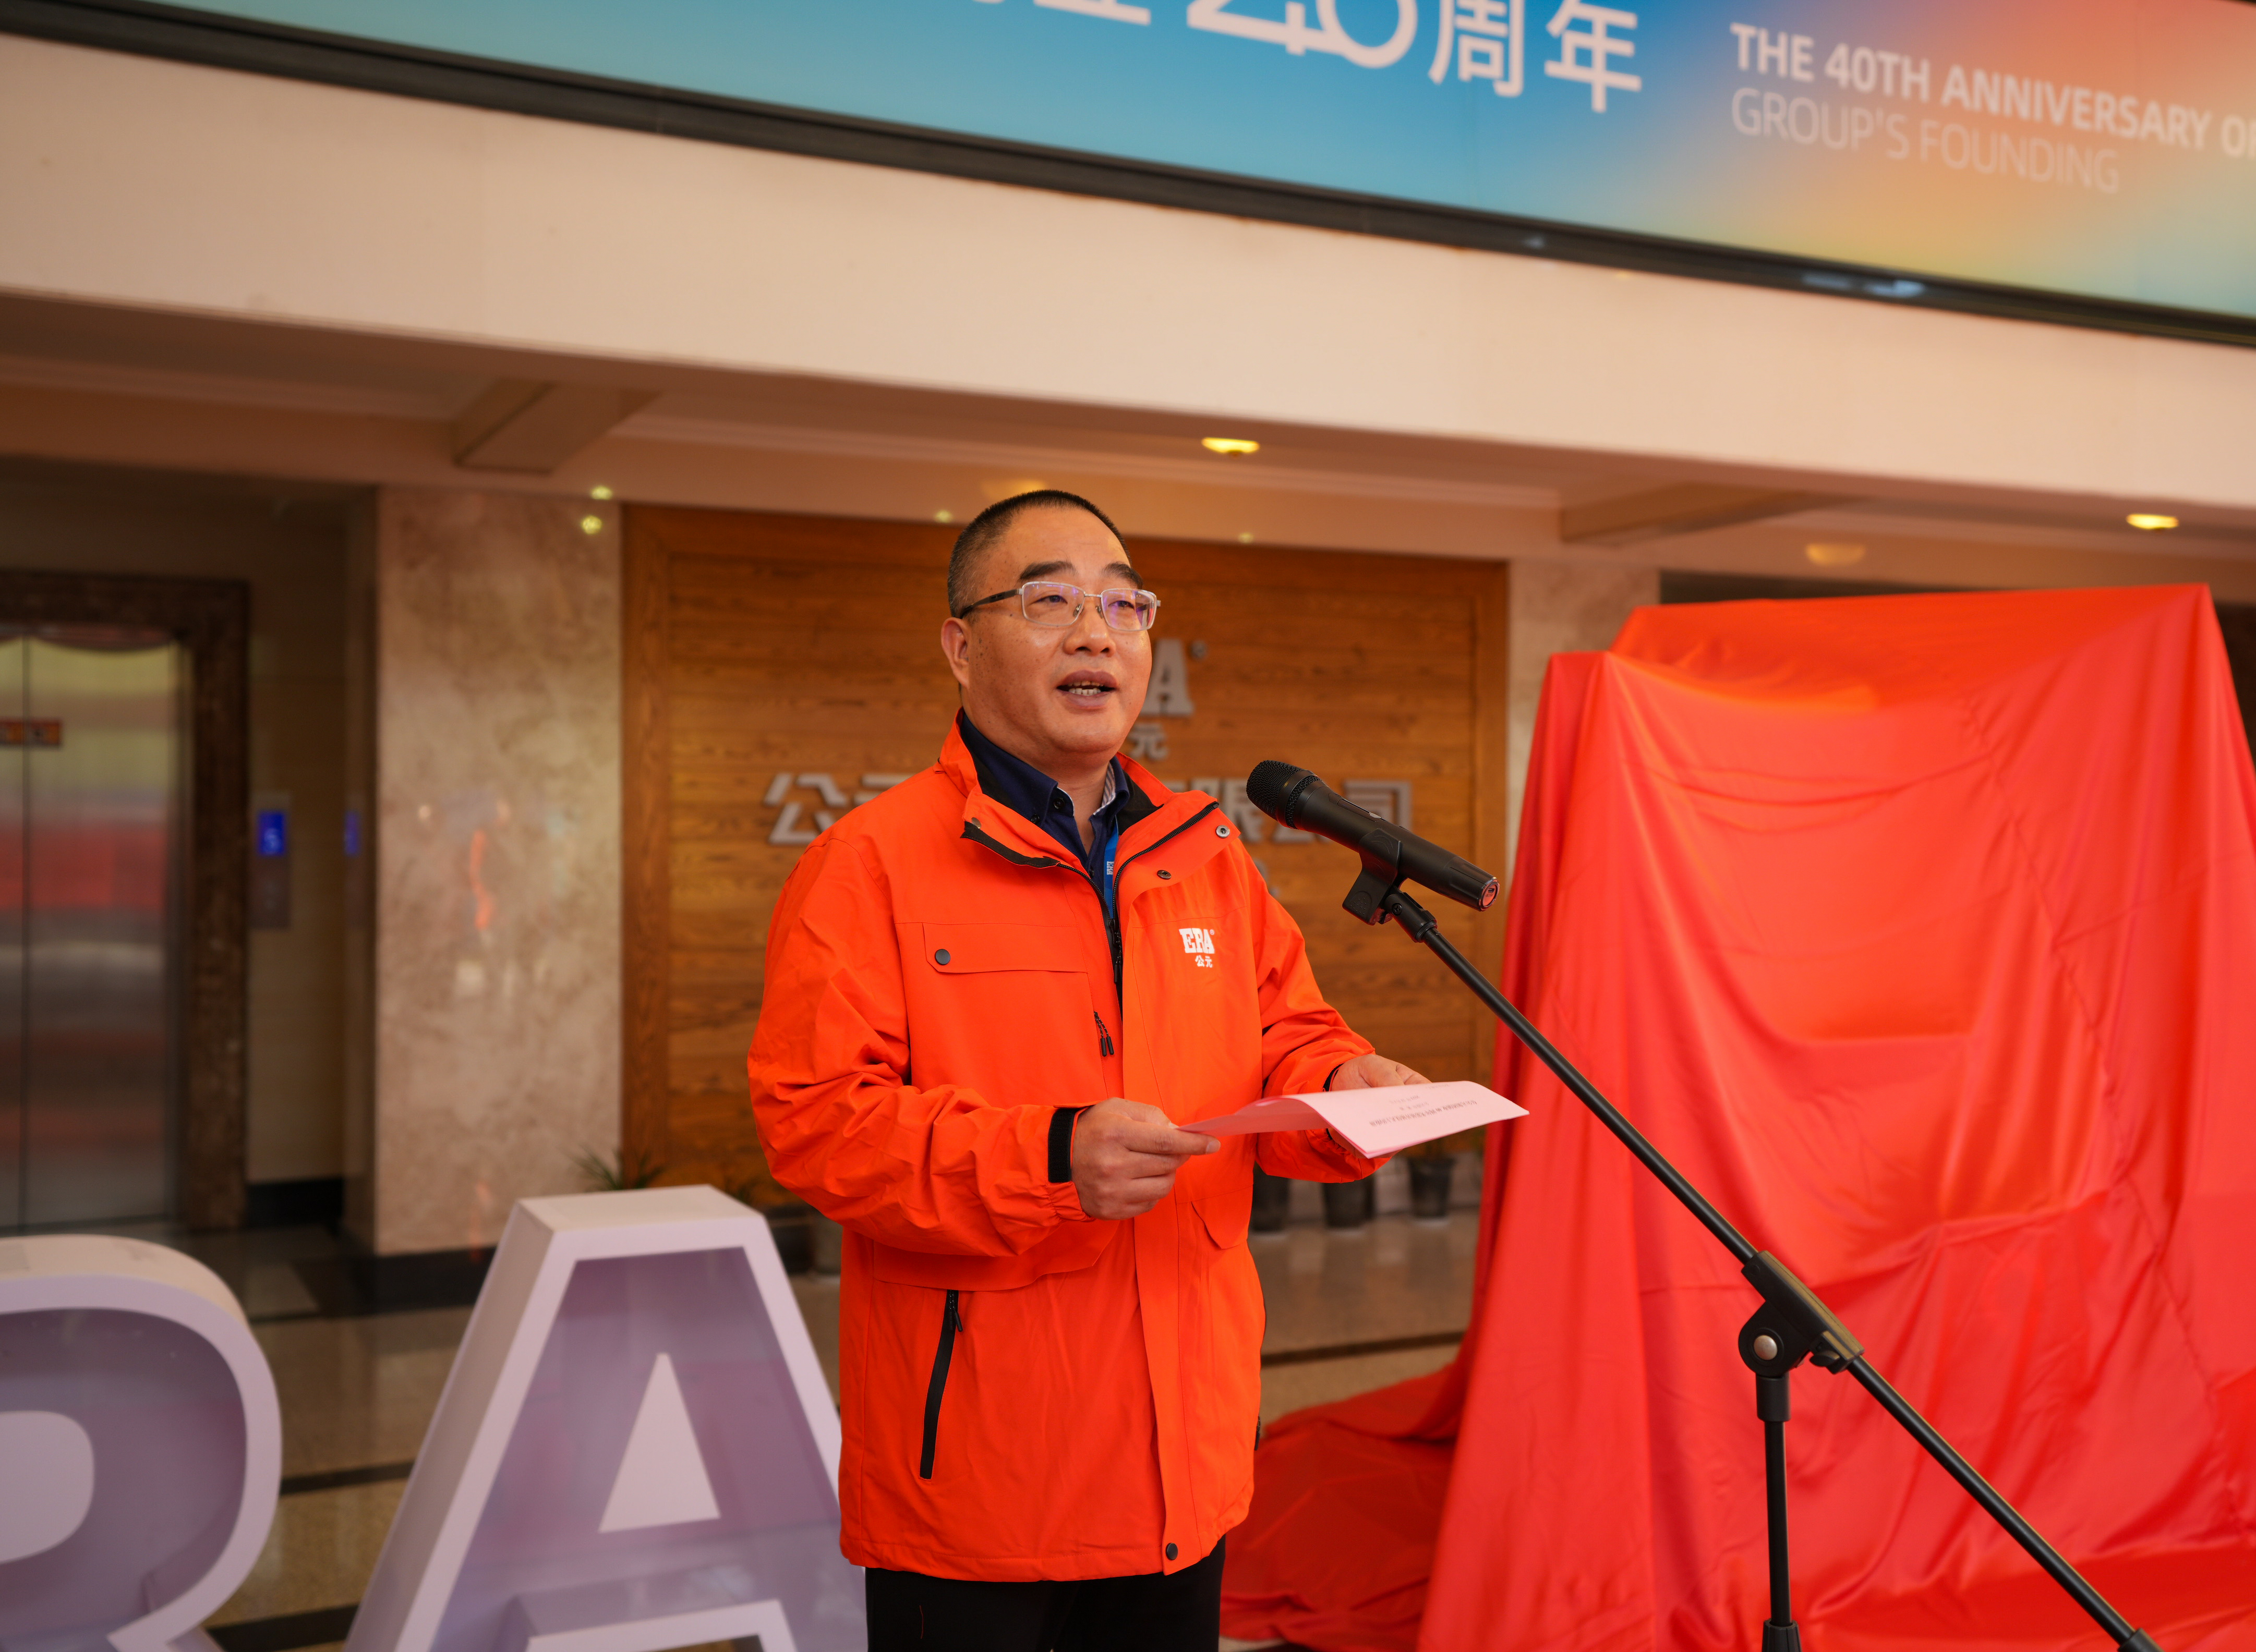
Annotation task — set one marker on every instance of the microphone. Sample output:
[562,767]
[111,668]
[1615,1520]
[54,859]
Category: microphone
[1295,797]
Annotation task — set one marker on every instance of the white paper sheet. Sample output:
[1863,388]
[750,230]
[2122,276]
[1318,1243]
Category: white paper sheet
[1374,1122]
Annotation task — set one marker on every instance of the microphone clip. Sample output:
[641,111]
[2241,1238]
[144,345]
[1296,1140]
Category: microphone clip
[1380,877]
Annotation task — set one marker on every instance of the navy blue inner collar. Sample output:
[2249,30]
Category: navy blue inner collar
[1016,783]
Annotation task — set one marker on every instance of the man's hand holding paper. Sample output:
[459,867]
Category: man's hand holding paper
[1125,1155]
[1375,1122]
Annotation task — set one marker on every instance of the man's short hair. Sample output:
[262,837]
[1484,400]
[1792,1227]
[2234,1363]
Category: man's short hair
[991,524]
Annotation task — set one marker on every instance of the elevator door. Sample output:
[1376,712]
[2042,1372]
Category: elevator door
[90,817]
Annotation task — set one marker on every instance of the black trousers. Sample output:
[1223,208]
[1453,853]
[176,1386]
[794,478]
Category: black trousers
[1154,1612]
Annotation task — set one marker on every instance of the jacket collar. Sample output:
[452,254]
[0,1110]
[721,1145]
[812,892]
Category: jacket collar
[1148,813]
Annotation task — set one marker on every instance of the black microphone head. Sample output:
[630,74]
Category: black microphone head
[1272,786]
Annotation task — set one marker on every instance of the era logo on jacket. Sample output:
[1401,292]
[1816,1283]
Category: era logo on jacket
[1199,943]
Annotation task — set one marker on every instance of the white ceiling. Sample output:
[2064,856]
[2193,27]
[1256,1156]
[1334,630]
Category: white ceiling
[90,384]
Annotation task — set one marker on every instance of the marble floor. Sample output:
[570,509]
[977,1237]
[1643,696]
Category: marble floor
[1347,1311]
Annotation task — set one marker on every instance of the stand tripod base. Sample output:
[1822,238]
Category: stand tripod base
[1781,1637]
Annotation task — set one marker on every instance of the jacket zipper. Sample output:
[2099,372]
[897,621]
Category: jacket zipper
[1103,1036]
[951,1321]
[1111,912]
[1170,838]
[1111,916]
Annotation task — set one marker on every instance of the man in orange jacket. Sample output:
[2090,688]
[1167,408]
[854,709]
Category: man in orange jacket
[992,994]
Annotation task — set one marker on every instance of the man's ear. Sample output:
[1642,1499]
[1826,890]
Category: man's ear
[955,646]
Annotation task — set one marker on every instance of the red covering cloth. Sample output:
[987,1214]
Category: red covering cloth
[1920,933]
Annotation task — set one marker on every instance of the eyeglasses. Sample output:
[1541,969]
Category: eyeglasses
[1046,603]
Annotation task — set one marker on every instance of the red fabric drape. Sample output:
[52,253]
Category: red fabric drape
[1920,933]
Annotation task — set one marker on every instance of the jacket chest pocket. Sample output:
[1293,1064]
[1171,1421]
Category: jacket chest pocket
[1193,966]
[1007,1008]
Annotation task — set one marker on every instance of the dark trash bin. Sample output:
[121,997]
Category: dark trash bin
[1429,1187]
[1272,1200]
[1349,1204]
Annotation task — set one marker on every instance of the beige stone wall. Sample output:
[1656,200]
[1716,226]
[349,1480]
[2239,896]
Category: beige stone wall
[358,1056]
[497,967]
[1560,607]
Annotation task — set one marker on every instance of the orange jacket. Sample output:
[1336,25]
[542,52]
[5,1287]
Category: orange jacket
[1028,1393]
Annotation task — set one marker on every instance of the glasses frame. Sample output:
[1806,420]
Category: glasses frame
[1019,591]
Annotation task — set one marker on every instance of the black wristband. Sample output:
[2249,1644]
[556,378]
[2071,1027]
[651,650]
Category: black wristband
[1061,1122]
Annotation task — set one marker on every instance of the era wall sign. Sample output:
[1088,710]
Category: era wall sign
[140,1446]
[636,1451]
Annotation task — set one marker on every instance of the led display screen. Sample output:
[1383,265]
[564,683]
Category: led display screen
[2099,148]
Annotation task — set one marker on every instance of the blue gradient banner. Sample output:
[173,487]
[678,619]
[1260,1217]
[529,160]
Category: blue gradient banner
[2105,148]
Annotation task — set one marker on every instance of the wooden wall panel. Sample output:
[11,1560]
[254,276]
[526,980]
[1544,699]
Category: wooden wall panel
[646,844]
[762,646]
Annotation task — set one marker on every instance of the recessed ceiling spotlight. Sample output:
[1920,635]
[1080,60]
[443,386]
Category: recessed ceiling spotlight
[2153,522]
[1229,447]
[599,491]
[591,525]
[943,516]
[1833,556]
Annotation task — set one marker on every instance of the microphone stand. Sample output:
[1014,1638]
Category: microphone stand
[1791,1326]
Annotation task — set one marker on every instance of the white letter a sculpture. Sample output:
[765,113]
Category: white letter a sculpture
[635,1452]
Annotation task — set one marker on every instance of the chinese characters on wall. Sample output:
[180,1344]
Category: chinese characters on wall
[799,821]
[808,804]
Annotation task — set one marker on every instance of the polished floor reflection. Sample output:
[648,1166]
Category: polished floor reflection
[1347,1311]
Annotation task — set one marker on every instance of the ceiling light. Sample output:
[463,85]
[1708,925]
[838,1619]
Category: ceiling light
[1229,447]
[591,525]
[943,516]
[599,491]
[1833,556]
[2150,521]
